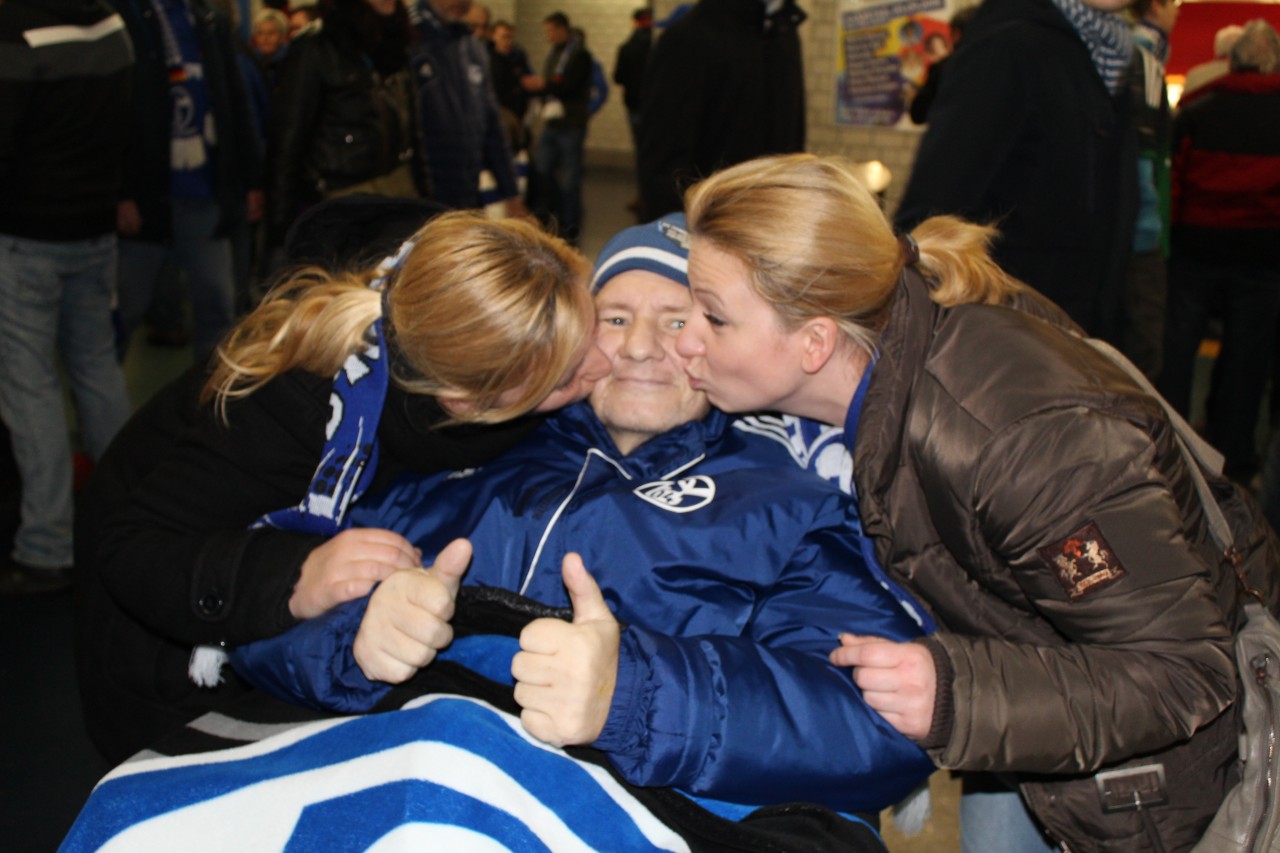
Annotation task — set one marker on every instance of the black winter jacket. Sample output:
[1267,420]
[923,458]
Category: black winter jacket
[571,84]
[462,133]
[724,84]
[336,122]
[629,65]
[237,165]
[164,559]
[64,118]
[1024,135]
[1022,486]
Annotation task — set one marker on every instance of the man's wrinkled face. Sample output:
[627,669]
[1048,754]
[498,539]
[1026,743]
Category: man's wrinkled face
[646,392]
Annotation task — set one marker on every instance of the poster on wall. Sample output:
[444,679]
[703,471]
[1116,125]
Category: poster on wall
[886,48]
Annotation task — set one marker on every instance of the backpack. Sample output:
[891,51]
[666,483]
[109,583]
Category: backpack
[599,92]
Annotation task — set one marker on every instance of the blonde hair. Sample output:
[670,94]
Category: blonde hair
[479,307]
[817,243]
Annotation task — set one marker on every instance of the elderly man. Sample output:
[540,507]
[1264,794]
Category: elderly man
[707,573]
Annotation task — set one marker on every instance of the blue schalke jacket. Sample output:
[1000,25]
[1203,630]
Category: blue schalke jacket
[732,571]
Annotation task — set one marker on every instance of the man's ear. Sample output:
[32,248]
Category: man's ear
[819,337]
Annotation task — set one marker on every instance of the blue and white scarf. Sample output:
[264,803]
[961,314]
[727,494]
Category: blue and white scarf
[350,455]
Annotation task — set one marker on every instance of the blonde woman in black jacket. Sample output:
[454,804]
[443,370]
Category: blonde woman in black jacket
[217,516]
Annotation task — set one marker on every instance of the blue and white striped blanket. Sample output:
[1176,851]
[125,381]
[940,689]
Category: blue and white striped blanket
[445,773]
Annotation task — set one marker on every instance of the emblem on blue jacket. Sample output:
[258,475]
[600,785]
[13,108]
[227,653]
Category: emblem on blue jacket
[684,495]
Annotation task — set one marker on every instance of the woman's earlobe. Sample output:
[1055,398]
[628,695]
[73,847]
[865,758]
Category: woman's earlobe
[456,406]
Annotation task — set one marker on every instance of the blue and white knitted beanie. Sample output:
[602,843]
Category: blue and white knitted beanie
[660,247]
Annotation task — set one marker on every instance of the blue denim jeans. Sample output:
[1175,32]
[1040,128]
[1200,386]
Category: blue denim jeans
[1247,296]
[997,821]
[55,299]
[204,257]
[559,167]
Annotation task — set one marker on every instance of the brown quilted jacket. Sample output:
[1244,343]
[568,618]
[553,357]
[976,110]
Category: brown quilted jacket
[1034,498]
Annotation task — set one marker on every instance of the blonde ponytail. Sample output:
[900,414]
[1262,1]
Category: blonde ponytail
[955,256]
[312,321]
[479,307]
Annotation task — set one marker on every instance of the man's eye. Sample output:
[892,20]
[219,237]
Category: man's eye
[678,324]
[614,321]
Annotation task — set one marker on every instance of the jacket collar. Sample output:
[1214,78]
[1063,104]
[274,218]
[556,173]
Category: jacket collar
[904,346]
[659,457]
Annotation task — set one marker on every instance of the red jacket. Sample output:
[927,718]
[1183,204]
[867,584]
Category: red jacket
[1226,167]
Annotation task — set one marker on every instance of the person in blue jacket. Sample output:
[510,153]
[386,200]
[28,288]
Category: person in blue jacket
[708,576]
[462,131]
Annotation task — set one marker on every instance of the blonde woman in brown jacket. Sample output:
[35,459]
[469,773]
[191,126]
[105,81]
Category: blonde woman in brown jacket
[1011,476]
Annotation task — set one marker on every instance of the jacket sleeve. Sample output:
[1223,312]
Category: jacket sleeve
[313,663]
[249,153]
[1139,655]
[497,153]
[176,552]
[295,113]
[1180,155]
[15,94]
[135,165]
[734,717]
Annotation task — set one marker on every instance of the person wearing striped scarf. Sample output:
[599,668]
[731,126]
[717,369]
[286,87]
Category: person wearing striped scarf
[1032,132]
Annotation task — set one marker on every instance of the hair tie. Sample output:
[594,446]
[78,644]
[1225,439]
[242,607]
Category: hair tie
[910,249]
[390,265]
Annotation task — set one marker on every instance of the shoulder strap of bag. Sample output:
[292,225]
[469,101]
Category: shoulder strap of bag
[1200,457]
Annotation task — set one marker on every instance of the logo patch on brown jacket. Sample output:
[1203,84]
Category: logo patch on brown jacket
[1083,562]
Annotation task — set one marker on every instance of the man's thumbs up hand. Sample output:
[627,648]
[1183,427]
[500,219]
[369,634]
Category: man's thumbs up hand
[408,618]
[565,671]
